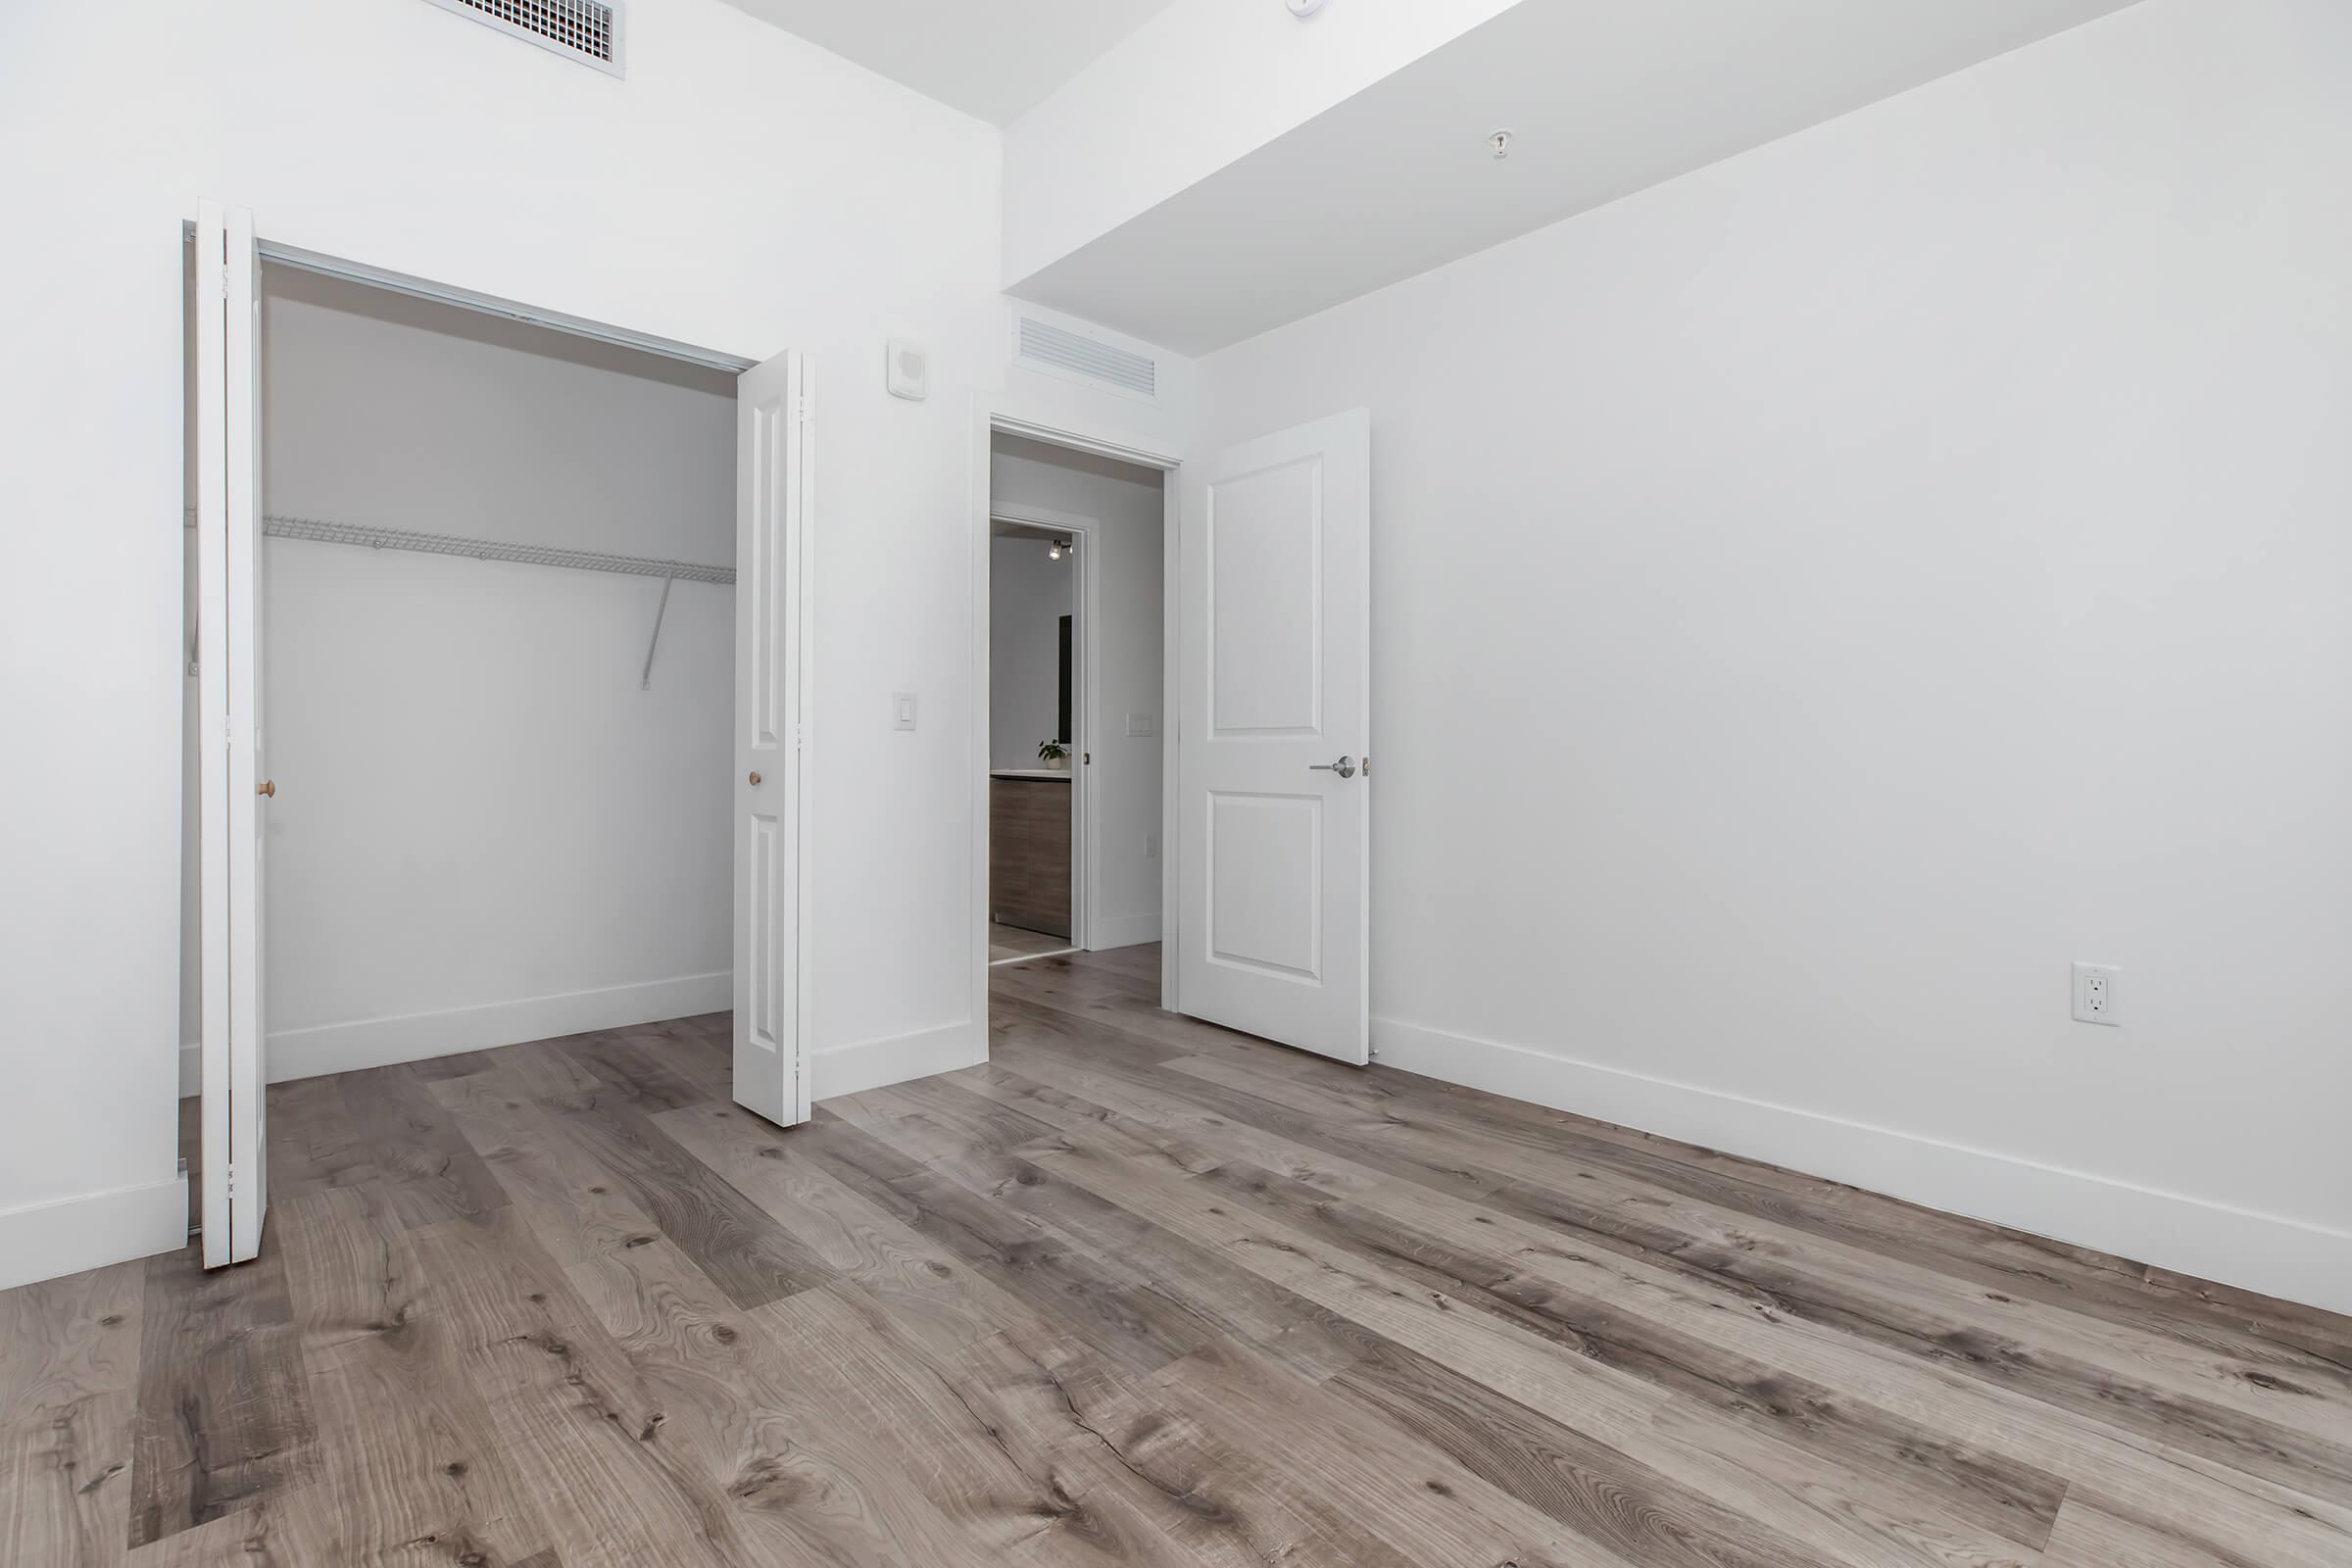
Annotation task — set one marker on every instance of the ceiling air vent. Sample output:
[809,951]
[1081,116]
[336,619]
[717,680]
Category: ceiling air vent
[586,31]
[1058,351]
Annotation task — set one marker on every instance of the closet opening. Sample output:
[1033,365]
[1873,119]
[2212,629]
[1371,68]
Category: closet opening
[1073,780]
[492,604]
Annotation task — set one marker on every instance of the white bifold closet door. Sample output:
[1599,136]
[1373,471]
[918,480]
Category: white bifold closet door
[774,484]
[233,789]
[1274,722]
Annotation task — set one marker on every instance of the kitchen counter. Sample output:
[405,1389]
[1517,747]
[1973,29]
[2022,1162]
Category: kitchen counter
[1029,848]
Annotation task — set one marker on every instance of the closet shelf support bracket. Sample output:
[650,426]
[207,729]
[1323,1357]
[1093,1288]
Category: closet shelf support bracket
[645,683]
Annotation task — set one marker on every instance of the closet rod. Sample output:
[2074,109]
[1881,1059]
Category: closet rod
[443,544]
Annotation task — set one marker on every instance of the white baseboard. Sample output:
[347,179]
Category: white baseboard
[416,1036]
[2266,1253]
[1123,931]
[65,1236]
[872,1063]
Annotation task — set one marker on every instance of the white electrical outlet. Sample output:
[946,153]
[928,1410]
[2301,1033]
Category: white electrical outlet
[1151,846]
[2095,995]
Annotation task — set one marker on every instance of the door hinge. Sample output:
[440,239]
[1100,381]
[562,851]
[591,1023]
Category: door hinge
[225,280]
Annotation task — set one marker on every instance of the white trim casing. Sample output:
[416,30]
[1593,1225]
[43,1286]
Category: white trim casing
[974,1026]
[2265,1252]
[274,254]
[1171,729]
[1011,414]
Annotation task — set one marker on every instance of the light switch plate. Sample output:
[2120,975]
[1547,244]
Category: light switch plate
[1139,724]
[902,710]
[2097,998]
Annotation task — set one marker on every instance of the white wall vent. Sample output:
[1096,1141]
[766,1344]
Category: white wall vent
[1086,356]
[586,31]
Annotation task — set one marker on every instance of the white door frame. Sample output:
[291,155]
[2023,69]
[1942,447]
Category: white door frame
[1087,532]
[468,299]
[273,254]
[1000,414]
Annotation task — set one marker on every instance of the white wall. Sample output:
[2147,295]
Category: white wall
[740,189]
[485,831]
[1125,623]
[1818,599]
[1028,595]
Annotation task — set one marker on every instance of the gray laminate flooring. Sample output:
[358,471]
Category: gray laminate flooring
[1137,1290]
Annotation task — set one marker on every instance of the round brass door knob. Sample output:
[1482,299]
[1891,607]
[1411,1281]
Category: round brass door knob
[755,779]
[269,787]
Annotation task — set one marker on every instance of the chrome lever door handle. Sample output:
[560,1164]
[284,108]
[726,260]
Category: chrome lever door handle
[1344,767]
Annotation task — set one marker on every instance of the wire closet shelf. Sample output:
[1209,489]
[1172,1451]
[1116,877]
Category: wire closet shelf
[320,532]
[444,544]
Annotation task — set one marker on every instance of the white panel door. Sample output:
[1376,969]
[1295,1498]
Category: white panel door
[1274,724]
[233,788]
[773,484]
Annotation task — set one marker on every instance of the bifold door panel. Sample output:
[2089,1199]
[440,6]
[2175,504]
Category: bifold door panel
[773,484]
[233,788]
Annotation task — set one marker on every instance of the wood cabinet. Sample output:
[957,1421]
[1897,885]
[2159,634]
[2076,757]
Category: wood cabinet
[1029,852]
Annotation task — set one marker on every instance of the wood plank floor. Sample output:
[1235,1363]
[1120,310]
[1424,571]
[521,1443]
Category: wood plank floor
[1137,1290]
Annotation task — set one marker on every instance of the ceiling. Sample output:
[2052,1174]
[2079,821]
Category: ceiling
[990,58]
[1606,97]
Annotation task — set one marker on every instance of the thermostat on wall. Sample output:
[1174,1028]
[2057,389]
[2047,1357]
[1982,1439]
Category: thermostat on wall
[910,370]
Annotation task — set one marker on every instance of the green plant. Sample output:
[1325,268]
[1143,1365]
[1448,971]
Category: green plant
[1051,751]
